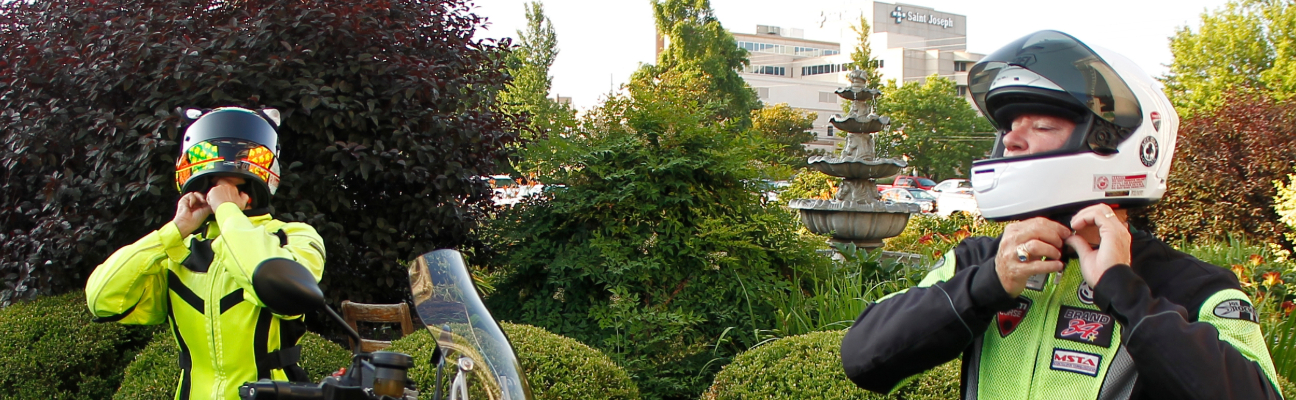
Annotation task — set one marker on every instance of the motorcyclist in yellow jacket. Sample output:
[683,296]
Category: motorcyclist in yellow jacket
[196,271]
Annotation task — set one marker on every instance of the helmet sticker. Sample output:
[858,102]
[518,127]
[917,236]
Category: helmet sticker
[1148,151]
[1156,120]
[1104,183]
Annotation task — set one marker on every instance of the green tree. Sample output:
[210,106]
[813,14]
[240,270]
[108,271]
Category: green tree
[659,250]
[699,48]
[786,129]
[1245,44]
[862,56]
[529,65]
[548,121]
[934,128]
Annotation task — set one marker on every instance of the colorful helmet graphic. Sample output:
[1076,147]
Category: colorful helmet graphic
[231,141]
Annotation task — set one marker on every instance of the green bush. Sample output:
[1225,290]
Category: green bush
[51,350]
[931,236]
[1288,389]
[557,367]
[154,373]
[809,367]
[659,250]
[833,300]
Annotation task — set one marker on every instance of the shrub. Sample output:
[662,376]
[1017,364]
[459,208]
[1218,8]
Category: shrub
[1285,204]
[931,236]
[51,350]
[834,300]
[658,251]
[1222,180]
[810,184]
[809,367]
[389,115]
[556,367]
[154,373]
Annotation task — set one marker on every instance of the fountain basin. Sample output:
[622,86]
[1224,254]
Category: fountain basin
[856,167]
[860,124]
[863,224]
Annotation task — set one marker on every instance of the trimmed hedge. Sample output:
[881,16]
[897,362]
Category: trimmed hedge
[809,366]
[154,374]
[557,367]
[51,350]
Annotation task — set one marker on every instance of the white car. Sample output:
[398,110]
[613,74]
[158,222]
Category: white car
[953,186]
[508,192]
[951,202]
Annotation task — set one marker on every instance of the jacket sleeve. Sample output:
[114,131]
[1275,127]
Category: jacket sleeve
[914,330]
[130,287]
[242,247]
[1220,356]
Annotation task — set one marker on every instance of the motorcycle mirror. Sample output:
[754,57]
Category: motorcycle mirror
[287,287]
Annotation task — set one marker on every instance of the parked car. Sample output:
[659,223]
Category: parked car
[925,201]
[950,202]
[508,191]
[907,181]
[953,186]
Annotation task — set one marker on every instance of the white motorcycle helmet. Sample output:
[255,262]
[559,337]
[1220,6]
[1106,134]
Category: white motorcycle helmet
[1121,148]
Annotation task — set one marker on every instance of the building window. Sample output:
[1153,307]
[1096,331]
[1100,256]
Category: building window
[762,93]
[823,69]
[827,97]
[880,64]
[830,130]
[962,91]
[767,70]
[961,66]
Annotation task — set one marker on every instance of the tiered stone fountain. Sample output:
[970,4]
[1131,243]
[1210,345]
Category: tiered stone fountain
[854,214]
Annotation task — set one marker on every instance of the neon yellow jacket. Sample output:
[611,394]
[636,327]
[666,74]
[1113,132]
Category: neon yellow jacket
[202,285]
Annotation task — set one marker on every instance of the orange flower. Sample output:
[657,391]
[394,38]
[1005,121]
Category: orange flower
[1256,259]
[1272,278]
[925,239]
[1287,307]
[961,234]
[1239,271]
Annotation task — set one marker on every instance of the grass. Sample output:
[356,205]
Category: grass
[834,300]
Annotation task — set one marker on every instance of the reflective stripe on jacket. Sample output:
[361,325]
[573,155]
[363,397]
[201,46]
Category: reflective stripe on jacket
[1169,326]
[202,285]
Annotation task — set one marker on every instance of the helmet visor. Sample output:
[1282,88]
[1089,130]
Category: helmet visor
[1065,62]
[227,156]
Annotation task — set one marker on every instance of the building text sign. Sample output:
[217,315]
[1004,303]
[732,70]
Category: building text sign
[902,15]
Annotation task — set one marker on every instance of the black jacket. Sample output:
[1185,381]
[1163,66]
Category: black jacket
[1168,327]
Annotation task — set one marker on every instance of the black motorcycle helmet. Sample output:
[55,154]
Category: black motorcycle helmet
[231,141]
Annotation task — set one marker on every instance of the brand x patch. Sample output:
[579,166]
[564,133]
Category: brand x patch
[1085,326]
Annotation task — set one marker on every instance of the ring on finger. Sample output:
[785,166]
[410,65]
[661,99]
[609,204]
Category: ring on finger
[1109,215]
[1022,254]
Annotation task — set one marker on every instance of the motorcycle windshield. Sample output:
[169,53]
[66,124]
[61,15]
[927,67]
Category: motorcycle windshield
[473,344]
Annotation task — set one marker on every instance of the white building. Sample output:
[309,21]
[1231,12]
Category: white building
[910,42]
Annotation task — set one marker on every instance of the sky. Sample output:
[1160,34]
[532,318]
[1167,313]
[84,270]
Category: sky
[601,42]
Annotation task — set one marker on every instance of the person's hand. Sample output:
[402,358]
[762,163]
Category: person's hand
[191,211]
[1041,239]
[1113,246]
[226,190]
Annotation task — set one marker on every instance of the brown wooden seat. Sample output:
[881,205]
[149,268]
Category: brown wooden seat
[381,313]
